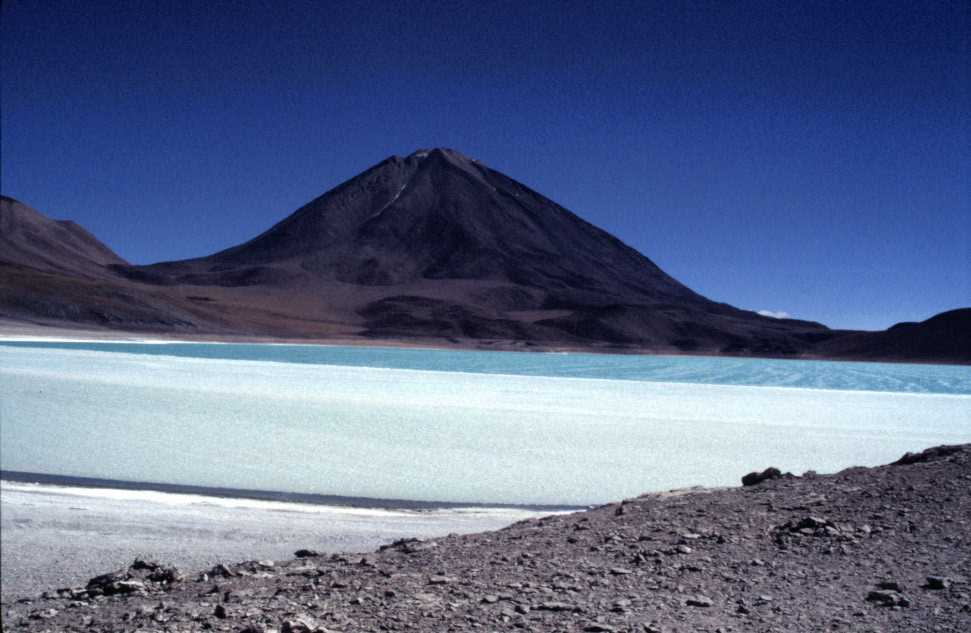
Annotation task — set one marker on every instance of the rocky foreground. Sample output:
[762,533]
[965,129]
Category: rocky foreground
[881,549]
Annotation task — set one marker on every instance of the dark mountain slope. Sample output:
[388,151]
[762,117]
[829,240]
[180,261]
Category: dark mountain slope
[56,273]
[440,246]
[30,239]
[944,337]
[439,215]
[432,248]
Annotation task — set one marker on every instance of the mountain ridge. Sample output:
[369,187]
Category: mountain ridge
[432,246]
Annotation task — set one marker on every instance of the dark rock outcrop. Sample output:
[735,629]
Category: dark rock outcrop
[754,478]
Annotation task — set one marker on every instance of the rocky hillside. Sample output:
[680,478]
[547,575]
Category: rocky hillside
[881,549]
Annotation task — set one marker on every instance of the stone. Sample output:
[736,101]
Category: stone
[307,553]
[166,575]
[44,614]
[441,580]
[300,624]
[755,478]
[141,564]
[938,582]
[223,571]
[890,585]
[556,606]
[104,580]
[887,598]
[125,587]
[699,601]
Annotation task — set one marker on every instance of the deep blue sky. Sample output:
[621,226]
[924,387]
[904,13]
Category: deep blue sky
[807,157]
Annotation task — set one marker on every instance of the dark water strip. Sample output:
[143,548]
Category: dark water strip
[267,495]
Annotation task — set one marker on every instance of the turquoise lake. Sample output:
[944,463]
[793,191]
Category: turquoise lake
[457,426]
[892,377]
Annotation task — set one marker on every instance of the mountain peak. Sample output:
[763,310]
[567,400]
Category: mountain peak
[436,214]
[422,155]
[446,152]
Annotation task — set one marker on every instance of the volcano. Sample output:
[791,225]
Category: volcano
[437,245]
[430,248]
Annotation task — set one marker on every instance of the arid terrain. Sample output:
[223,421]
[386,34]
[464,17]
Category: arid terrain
[880,549]
[432,249]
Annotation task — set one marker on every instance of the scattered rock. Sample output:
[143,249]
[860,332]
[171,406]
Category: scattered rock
[99,583]
[126,587]
[307,553]
[775,558]
[223,571]
[147,565]
[556,606]
[811,526]
[938,582]
[44,614]
[755,478]
[166,575]
[699,601]
[300,624]
[927,455]
[887,598]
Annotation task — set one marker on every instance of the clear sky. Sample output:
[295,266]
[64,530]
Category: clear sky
[804,157]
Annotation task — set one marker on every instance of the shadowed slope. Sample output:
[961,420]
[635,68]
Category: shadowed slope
[946,336]
[30,239]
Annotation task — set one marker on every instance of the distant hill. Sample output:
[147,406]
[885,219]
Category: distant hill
[30,239]
[944,337]
[430,248]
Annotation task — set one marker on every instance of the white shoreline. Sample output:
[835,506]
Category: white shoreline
[56,536]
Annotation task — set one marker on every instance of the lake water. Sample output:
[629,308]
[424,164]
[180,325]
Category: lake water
[486,427]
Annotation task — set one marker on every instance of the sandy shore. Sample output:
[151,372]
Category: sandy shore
[53,536]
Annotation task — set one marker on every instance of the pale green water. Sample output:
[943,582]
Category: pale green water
[456,426]
[894,377]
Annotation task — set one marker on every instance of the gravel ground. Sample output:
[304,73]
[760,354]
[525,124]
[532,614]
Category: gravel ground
[881,549]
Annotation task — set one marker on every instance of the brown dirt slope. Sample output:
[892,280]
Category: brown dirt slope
[882,549]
